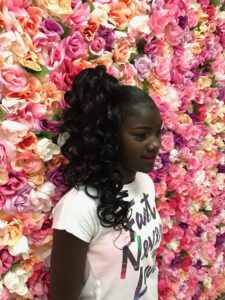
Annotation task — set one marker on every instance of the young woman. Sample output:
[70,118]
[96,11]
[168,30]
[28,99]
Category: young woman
[106,228]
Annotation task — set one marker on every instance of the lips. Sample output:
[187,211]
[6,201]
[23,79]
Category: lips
[149,158]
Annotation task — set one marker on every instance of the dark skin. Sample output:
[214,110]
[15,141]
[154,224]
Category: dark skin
[139,144]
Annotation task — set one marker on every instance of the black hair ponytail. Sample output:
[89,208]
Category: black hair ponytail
[93,122]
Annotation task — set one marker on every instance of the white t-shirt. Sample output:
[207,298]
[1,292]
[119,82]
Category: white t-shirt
[116,267]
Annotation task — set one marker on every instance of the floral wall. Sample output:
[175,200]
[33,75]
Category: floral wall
[174,50]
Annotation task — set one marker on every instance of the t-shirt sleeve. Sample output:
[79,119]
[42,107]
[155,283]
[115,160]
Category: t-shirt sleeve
[76,214]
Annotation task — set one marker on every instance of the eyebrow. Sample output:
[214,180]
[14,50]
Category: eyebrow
[146,127]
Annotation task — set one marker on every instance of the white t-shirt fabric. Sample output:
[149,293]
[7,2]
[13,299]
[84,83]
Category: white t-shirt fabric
[120,265]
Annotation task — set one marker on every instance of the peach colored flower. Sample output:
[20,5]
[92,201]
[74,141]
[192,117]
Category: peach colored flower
[49,93]
[13,232]
[121,51]
[13,78]
[55,7]
[31,23]
[37,178]
[119,15]
[30,60]
[28,162]
[28,142]
[57,161]
[105,59]
[203,82]
[89,30]
[31,92]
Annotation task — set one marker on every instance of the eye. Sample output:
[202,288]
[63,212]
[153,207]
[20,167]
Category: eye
[140,135]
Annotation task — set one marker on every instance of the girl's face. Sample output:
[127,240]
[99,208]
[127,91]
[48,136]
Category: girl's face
[139,141]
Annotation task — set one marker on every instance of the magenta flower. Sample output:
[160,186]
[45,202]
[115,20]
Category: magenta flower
[74,45]
[51,26]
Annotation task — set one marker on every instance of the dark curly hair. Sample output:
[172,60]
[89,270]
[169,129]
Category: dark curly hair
[98,104]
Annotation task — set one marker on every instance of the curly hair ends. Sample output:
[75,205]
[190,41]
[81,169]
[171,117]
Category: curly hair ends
[93,122]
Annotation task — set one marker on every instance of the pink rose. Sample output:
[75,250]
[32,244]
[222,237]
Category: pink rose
[163,69]
[16,182]
[97,45]
[41,39]
[167,143]
[6,261]
[13,77]
[194,163]
[174,34]
[80,15]
[74,45]
[37,237]
[58,80]
[158,20]
[39,284]
[53,56]
[20,202]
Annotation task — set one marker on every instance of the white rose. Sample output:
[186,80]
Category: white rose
[21,247]
[11,106]
[100,13]
[220,181]
[12,131]
[46,149]
[15,281]
[140,23]
[41,199]
[63,137]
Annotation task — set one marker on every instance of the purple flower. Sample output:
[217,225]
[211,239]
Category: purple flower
[97,45]
[55,175]
[195,297]
[48,125]
[108,35]
[143,65]
[51,26]
[221,94]
[221,168]
[165,159]
[183,225]
[20,202]
[178,140]
[183,21]
[220,240]
[199,231]
[198,264]
[174,264]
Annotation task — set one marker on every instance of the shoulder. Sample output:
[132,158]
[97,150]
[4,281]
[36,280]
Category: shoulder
[76,199]
[76,213]
[145,180]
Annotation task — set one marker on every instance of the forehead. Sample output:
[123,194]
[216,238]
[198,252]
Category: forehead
[142,116]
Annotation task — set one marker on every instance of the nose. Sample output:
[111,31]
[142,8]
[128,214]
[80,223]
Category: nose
[153,145]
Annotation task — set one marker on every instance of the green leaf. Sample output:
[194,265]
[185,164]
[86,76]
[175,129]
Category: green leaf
[67,30]
[132,57]
[214,82]
[1,28]
[222,8]
[170,194]
[183,253]
[44,71]
[146,86]
[215,2]
[157,201]
[56,117]
[206,212]
[197,27]
[219,226]
[195,107]
[2,115]
[14,267]
[140,46]
[44,134]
